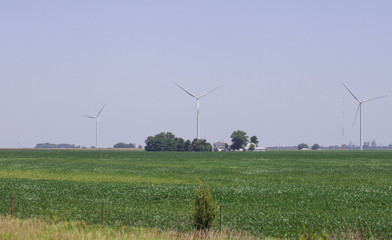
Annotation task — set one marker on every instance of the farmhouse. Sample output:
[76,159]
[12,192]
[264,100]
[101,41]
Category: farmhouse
[220,146]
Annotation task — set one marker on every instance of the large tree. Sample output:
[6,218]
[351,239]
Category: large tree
[238,139]
[201,145]
[164,142]
[315,146]
[302,146]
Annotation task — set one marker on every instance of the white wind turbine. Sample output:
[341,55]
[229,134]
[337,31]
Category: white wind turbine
[96,125]
[360,112]
[197,104]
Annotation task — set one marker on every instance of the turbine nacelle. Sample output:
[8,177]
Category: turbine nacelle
[197,97]
[362,101]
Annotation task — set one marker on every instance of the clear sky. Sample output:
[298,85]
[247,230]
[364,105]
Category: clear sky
[281,64]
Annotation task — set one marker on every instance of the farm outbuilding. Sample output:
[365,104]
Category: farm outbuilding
[257,149]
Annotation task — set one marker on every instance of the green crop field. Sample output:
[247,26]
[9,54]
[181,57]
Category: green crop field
[275,194]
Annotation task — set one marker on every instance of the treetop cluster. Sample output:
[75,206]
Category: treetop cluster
[168,142]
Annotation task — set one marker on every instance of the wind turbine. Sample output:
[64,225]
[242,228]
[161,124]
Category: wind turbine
[360,112]
[197,104]
[96,125]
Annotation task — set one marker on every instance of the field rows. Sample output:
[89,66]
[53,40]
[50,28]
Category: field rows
[279,193]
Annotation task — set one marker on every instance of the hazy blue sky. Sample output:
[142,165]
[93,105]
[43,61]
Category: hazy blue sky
[281,63]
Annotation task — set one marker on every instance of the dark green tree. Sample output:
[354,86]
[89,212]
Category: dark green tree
[238,139]
[315,146]
[170,142]
[205,209]
[302,146]
[180,144]
[164,142]
[201,145]
[124,145]
[188,146]
[254,140]
[120,145]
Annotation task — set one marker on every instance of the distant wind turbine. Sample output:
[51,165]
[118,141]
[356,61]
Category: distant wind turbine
[96,125]
[197,104]
[360,112]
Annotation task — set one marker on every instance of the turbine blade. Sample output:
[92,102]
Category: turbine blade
[186,91]
[367,100]
[351,93]
[88,117]
[101,110]
[356,115]
[210,91]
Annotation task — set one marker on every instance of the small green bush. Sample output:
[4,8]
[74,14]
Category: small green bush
[252,147]
[205,210]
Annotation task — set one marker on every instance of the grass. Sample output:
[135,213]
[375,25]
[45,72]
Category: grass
[16,229]
[282,194]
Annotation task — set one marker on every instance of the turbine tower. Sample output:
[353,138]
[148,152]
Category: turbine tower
[360,112]
[96,125]
[197,104]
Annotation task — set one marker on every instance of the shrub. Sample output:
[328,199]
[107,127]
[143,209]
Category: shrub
[205,210]
[252,147]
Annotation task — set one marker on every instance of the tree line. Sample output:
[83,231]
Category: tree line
[168,142]
[124,145]
[53,145]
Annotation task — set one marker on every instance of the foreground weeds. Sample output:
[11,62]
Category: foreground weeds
[16,229]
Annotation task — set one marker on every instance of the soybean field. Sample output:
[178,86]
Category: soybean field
[268,194]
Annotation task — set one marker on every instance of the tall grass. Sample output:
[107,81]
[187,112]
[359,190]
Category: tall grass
[17,229]
[33,228]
